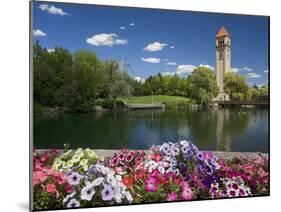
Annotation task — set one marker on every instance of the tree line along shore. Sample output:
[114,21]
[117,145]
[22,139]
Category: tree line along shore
[80,81]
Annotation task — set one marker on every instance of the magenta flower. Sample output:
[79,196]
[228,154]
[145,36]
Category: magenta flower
[187,194]
[208,155]
[129,158]
[114,161]
[171,197]
[151,184]
[121,156]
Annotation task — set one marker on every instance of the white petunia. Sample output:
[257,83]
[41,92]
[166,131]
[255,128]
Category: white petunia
[161,169]
[76,158]
[118,177]
[70,163]
[150,169]
[57,163]
[117,195]
[183,142]
[129,196]
[68,197]
[67,153]
[111,180]
[87,192]
[97,181]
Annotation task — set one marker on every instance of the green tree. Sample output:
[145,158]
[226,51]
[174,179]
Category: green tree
[263,91]
[202,85]
[50,72]
[235,85]
[81,88]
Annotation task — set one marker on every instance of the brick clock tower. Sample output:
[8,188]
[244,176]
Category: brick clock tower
[222,60]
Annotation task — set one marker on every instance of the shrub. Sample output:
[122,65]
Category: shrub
[109,103]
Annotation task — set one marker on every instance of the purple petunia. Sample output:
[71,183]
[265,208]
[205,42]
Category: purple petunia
[200,156]
[185,149]
[87,192]
[73,203]
[165,148]
[107,193]
[74,178]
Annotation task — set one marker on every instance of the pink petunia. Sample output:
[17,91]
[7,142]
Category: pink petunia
[119,169]
[208,155]
[51,188]
[59,179]
[35,180]
[171,197]
[187,194]
[42,177]
[68,188]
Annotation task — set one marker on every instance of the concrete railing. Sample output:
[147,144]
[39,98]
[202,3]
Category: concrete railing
[110,152]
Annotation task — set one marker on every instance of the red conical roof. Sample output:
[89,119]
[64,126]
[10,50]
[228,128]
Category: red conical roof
[222,32]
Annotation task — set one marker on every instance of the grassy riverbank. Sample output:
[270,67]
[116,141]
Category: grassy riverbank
[169,101]
[156,99]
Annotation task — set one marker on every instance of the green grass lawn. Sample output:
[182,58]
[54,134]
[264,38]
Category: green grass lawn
[155,99]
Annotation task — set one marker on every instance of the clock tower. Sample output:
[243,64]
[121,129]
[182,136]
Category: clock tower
[223,45]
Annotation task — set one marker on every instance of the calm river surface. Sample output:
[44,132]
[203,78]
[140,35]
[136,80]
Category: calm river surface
[244,130]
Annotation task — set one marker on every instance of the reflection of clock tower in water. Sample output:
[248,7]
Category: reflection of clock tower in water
[222,60]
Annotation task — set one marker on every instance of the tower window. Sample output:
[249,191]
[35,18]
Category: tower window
[221,42]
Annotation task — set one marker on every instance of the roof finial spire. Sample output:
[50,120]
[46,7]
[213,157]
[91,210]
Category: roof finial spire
[222,32]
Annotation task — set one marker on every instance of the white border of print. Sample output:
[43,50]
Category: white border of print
[14,107]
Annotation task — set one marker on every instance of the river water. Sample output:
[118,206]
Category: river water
[244,130]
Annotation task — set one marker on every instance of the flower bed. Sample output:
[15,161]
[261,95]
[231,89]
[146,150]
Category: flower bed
[170,172]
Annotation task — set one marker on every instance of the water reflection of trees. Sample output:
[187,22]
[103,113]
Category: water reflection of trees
[156,127]
[104,131]
[209,129]
[139,129]
[214,129]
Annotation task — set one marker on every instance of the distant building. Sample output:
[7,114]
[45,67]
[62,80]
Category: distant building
[223,58]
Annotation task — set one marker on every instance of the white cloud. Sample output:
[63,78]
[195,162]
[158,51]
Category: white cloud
[171,63]
[154,47]
[121,41]
[105,40]
[38,32]
[122,27]
[139,79]
[172,47]
[52,9]
[151,60]
[265,71]
[50,50]
[253,75]
[132,24]
[247,69]
[207,66]
[182,69]
[235,70]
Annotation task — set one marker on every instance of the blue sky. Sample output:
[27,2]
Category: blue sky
[154,41]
